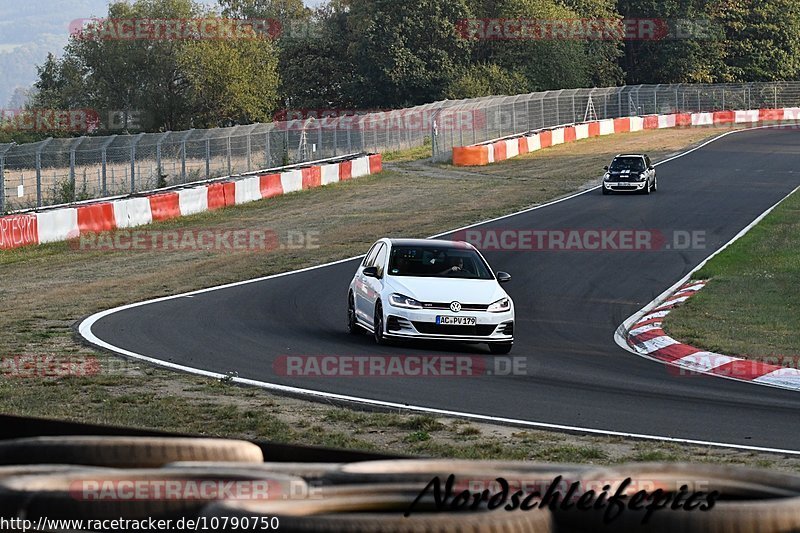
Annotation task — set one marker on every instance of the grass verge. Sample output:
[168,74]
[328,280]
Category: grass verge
[752,304]
[46,289]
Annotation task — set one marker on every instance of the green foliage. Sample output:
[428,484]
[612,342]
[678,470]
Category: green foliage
[487,79]
[406,53]
[230,82]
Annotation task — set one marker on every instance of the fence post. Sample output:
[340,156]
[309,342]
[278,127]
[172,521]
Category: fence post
[228,142]
[267,150]
[133,161]
[158,158]
[183,155]
[335,137]
[574,114]
[319,139]
[723,98]
[514,118]
[208,158]
[103,162]
[72,148]
[39,170]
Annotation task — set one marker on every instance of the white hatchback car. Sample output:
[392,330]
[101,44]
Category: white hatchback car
[430,289]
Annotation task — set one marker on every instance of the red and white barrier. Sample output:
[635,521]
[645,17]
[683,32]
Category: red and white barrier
[132,212]
[18,230]
[248,190]
[192,201]
[68,223]
[484,154]
[57,225]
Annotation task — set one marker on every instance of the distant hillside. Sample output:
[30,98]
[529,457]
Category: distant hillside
[29,29]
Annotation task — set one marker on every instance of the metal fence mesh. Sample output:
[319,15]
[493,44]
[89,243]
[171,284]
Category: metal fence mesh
[58,171]
[484,119]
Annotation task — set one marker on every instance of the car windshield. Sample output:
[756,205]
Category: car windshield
[437,262]
[628,163]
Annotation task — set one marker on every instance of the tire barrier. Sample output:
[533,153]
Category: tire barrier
[125,452]
[65,223]
[402,495]
[493,151]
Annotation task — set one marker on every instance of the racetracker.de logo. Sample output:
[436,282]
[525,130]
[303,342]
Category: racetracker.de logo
[48,366]
[173,489]
[633,29]
[359,121]
[207,240]
[582,240]
[397,366]
[198,29]
[47,120]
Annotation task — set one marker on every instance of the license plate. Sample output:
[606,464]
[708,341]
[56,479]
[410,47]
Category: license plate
[456,320]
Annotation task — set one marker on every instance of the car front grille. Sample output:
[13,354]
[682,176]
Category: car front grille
[481,330]
[446,306]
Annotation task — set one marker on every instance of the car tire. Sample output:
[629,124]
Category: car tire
[352,324]
[377,324]
[655,184]
[500,348]
[646,190]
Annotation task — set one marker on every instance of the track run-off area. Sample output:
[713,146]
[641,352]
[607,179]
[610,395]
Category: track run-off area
[569,303]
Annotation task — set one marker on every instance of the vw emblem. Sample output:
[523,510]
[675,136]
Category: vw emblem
[455,307]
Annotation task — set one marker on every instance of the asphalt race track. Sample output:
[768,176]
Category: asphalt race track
[568,306]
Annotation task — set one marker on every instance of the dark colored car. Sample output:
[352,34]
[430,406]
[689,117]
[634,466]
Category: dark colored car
[630,173]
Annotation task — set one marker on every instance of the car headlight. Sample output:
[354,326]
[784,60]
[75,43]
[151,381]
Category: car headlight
[607,177]
[640,177]
[400,300]
[500,306]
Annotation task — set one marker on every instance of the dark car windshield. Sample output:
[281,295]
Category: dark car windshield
[437,262]
[628,163]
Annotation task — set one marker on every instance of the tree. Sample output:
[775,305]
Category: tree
[406,53]
[485,80]
[762,40]
[683,57]
[230,82]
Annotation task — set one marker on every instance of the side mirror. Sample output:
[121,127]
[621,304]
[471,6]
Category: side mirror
[503,277]
[371,272]
[605,168]
[651,167]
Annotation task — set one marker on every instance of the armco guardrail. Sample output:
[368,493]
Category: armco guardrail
[72,221]
[507,148]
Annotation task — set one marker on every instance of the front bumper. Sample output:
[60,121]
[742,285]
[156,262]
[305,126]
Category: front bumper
[624,185]
[421,324]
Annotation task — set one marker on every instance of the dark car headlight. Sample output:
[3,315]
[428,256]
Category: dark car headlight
[406,302]
[500,306]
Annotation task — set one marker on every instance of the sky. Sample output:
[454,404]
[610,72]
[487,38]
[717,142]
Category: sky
[30,29]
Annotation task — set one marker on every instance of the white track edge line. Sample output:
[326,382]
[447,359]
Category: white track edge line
[85,330]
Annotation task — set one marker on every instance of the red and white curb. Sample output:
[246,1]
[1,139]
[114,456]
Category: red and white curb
[646,337]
